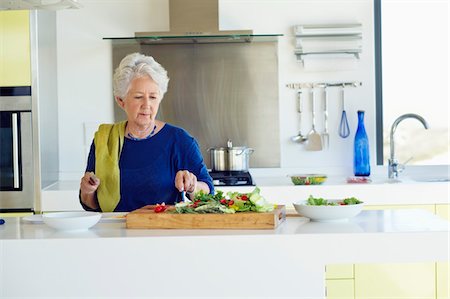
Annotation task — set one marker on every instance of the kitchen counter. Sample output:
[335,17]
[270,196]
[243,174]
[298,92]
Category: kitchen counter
[110,260]
[414,187]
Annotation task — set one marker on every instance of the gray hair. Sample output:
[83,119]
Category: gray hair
[138,65]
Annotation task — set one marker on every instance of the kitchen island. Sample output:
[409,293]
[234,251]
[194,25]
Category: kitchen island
[110,260]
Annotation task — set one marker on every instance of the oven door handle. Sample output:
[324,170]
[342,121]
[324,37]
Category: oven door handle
[15,144]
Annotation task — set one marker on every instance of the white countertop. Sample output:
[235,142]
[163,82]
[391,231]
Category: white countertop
[378,221]
[109,260]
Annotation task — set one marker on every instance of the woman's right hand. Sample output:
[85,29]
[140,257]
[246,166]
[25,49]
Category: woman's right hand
[89,183]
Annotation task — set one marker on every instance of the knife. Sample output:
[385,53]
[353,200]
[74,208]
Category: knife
[180,197]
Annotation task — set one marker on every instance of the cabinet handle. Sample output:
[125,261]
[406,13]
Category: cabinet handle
[15,139]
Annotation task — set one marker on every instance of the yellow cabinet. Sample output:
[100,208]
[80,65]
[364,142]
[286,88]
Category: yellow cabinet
[339,281]
[21,214]
[408,280]
[15,66]
[443,211]
[340,271]
[442,268]
[340,289]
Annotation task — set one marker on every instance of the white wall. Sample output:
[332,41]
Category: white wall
[85,70]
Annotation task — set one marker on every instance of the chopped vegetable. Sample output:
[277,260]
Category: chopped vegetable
[160,208]
[313,201]
[352,201]
[218,203]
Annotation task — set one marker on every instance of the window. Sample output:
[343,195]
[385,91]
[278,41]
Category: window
[412,59]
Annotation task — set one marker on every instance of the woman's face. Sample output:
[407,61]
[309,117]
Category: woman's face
[141,102]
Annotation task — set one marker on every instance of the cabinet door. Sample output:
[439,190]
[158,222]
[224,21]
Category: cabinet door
[442,268]
[410,280]
[15,67]
[340,271]
[340,289]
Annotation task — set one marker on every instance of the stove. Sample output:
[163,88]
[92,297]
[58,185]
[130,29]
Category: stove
[231,178]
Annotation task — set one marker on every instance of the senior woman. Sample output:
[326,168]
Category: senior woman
[142,160]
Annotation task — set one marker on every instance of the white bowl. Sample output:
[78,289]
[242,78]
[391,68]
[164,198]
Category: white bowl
[71,221]
[327,213]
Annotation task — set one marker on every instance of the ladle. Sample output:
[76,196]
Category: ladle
[299,138]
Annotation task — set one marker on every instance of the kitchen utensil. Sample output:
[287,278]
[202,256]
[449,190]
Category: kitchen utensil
[180,197]
[299,138]
[328,213]
[230,158]
[146,218]
[325,134]
[314,139]
[344,130]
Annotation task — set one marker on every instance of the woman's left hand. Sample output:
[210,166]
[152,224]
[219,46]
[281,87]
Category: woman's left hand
[186,181]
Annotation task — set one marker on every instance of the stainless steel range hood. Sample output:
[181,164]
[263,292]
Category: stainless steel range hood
[197,21]
[194,18]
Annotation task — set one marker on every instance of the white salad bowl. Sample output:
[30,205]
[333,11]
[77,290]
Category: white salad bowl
[327,213]
[71,221]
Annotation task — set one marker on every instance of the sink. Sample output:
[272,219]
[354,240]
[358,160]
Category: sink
[430,179]
[411,179]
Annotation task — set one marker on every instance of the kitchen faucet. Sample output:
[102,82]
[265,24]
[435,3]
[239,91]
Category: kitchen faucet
[395,167]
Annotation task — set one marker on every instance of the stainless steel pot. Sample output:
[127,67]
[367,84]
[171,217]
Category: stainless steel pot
[230,158]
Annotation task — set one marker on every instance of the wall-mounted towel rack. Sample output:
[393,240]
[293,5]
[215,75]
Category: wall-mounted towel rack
[323,84]
[328,41]
[341,53]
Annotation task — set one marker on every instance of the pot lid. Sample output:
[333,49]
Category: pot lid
[229,147]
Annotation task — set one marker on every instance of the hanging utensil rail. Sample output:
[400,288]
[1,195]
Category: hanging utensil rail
[323,84]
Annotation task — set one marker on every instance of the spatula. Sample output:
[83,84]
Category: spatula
[314,138]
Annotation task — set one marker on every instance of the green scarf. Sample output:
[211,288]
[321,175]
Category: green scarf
[108,142]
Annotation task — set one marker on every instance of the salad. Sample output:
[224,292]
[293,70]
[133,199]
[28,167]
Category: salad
[318,201]
[231,203]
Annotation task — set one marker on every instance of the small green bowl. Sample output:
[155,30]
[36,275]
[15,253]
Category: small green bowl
[308,179]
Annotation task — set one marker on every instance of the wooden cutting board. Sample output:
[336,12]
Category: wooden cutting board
[146,218]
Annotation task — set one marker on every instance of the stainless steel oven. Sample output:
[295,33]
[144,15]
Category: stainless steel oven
[16,155]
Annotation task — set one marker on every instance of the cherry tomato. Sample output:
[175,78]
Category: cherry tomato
[244,197]
[160,208]
[231,202]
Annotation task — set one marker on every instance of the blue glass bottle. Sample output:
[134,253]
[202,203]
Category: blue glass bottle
[361,162]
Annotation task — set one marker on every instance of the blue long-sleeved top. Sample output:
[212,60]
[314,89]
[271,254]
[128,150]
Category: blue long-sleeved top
[148,167]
